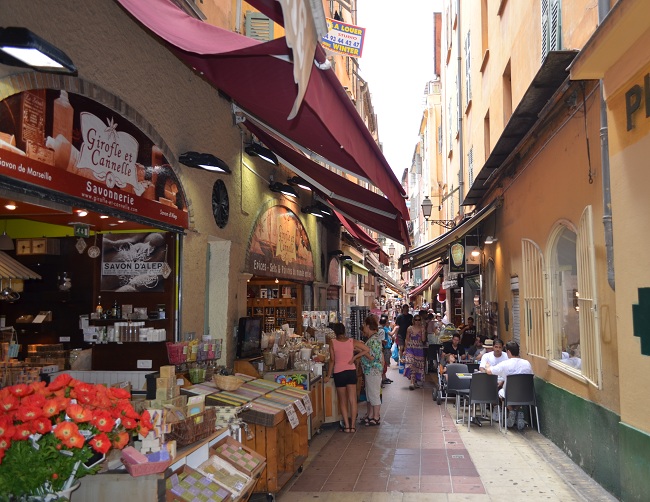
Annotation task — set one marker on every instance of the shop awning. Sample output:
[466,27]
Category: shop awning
[548,80]
[437,248]
[356,202]
[375,268]
[358,233]
[258,77]
[356,268]
[11,269]
[426,284]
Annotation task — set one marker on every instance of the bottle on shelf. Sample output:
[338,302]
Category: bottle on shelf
[99,310]
[114,312]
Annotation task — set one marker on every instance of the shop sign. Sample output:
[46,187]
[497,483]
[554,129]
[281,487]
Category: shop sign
[449,284]
[634,98]
[457,256]
[344,38]
[134,262]
[279,247]
[67,143]
[81,230]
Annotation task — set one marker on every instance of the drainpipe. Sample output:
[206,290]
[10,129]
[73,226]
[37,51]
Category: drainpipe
[461,175]
[603,9]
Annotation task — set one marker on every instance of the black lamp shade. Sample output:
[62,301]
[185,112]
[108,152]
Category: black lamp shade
[257,150]
[205,161]
[21,47]
[284,189]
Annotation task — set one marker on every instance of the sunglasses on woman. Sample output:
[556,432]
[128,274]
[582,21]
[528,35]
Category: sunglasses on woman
[417,318]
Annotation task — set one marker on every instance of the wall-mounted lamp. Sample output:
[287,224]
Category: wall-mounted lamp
[289,191]
[476,252]
[21,47]
[313,210]
[427,206]
[490,239]
[205,161]
[257,150]
[299,182]
[391,250]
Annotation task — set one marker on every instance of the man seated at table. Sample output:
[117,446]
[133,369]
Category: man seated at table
[452,351]
[493,354]
[475,351]
[515,365]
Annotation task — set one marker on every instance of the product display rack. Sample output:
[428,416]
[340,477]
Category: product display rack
[277,303]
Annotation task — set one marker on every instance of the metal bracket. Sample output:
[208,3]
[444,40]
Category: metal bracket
[444,223]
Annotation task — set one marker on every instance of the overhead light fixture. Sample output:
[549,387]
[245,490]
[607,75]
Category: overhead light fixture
[490,239]
[104,217]
[82,212]
[314,211]
[299,182]
[257,150]
[11,206]
[205,161]
[476,252]
[287,190]
[6,242]
[21,47]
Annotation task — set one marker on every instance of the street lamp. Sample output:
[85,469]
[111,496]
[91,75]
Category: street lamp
[391,250]
[427,205]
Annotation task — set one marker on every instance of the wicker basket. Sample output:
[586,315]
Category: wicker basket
[227,382]
[193,428]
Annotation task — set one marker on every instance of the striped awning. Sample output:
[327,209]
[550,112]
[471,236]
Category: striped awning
[12,269]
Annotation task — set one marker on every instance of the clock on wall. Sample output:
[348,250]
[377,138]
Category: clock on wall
[220,203]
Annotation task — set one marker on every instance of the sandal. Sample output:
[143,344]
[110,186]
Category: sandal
[351,430]
[372,422]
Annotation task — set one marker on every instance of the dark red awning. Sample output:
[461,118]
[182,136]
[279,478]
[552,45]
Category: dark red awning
[356,202]
[427,283]
[262,84]
[358,233]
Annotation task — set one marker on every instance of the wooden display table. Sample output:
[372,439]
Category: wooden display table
[285,450]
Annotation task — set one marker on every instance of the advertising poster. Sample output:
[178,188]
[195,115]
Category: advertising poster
[68,143]
[343,38]
[279,247]
[135,262]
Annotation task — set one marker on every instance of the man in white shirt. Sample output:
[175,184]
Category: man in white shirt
[515,365]
[493,356]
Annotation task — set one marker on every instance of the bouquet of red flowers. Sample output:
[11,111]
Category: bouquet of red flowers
[51,434]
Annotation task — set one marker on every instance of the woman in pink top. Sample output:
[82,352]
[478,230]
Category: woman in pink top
[341,365]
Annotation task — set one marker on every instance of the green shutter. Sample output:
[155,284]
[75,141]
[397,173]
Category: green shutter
[258,26]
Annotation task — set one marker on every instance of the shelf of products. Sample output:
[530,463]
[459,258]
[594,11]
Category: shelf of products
[277,303]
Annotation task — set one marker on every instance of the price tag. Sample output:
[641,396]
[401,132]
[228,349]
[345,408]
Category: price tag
[307,402]
[292,417]
[300,406]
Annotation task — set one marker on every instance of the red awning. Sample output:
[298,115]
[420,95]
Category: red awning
[358,233]
[356,202]
[259,79]
[427,283]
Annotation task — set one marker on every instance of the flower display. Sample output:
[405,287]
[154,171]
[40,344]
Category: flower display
[52,434]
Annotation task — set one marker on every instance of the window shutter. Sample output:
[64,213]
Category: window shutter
[532,292]
[545,27]
[258,26]
[451,133]
[587,301]
[468,75]
[555,22]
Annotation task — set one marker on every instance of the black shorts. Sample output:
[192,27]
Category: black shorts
[344,378]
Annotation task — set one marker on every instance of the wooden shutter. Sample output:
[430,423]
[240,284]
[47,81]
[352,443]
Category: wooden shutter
[587,301]
[468,78]
[545,26]
[258,26]
[555,26]
[532,291]
[470,167]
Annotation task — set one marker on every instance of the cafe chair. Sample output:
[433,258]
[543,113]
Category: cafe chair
[482,390]
[473,367]
[520,391]
[456,386]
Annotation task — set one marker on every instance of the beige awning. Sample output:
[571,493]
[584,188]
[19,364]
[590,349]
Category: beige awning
[12,269]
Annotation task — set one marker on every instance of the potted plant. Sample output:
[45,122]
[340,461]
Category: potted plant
[51,435]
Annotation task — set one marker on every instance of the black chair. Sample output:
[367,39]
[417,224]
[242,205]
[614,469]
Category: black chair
[520,391]
[473,367]
[457,386]
[483,390]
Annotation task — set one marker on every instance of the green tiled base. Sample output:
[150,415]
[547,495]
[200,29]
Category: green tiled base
[586,432]
[635,463]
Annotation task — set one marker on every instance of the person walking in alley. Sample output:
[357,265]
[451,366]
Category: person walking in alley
[414,352]
[402,323]
[344,352]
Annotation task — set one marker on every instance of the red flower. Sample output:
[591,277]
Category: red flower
[51,407]
[9,403]
[79,413]
[59,382]
[41,425]
[119,393]
[144,431]
[5,443]
[129,423]
[37,400]
[55,475]
[101,443]
[125,409]
[75,441]
[38,387]
[20,390]
[7,428]
[103,421]
[65,430]
[120,440]
[27,413]
[23,431]
[83,389]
